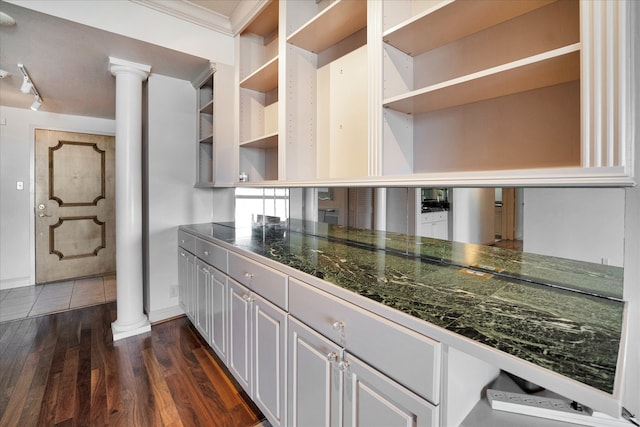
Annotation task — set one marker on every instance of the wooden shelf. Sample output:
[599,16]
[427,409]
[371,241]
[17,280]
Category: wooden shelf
[207,139]
[264,78]
[453,20]
[207,108]
[335,23]
[266,141]
[266,24]
[547,69]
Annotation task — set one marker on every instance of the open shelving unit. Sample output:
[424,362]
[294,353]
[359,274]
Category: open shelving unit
[258,65]
[467,85]
[327,112]
[205,166]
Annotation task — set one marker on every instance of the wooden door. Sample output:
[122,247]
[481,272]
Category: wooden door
[269,329]
[315,382]
[374,400]
[74,205]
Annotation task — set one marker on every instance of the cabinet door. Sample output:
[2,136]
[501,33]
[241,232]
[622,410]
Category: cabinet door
[373,400]
[269,334]
[186,280]
[314,382]
[218,313]
[240,334]
[203,277]
[440,230]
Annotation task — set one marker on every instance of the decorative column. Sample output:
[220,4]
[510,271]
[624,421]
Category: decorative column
[131,319]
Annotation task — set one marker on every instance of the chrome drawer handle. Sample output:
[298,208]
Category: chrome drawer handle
[206,253]
[248,275]
[338,326]
[332,357]
[343,365]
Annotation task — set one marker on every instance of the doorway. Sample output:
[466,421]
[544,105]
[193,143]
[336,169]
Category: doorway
[74,205]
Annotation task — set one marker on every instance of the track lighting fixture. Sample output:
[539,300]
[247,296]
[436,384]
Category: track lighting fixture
[29,87]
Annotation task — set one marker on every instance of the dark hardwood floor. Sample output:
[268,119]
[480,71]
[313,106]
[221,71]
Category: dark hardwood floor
[65,370]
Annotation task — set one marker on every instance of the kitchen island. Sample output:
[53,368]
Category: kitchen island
[560,315]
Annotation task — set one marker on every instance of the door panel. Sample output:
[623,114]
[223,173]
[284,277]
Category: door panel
[219,313]
[315,383]
[240,334]
[374,400]
[74,199]
[269,328]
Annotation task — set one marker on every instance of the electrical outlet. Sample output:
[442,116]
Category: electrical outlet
[173,291]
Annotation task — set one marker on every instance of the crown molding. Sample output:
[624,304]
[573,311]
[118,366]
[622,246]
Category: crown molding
[191,12]
[245,12]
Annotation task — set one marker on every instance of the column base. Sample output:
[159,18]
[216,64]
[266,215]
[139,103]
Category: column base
[120,331]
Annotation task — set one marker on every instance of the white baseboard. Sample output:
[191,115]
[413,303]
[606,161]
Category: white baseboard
[165,313]
[16,282]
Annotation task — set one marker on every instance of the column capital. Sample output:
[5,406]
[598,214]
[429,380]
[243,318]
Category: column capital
[117,66]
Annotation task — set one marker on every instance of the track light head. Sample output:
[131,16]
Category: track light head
[26,85]
[36,104]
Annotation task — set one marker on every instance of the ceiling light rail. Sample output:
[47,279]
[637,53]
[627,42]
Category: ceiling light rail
[29,86]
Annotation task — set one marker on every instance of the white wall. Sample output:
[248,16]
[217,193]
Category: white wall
[171,198]
[17,259]
[586,224]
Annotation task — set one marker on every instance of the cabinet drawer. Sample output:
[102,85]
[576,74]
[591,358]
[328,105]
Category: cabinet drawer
[411,359]
[186,241]
[266,281]
[433,216]
[212,254]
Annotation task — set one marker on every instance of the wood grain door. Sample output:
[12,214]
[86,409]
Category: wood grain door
[74,205]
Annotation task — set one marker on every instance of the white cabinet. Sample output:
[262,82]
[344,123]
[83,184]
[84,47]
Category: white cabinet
[203,298]
[331,387]
[372,399]
[218,313]
[315,383]
[350,327]
[240,362]
[434,225]
[186,281]
[257,337]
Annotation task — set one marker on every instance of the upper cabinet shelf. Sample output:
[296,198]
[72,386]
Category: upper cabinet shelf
[547,69]
[337,22]
[452,20]
[264,78]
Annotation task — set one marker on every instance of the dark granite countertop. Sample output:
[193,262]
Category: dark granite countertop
[559,314]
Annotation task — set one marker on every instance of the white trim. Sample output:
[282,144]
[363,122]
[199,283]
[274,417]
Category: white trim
[165,313]
[190,12]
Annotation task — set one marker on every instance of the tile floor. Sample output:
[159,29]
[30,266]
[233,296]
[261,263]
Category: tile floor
[38,300]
